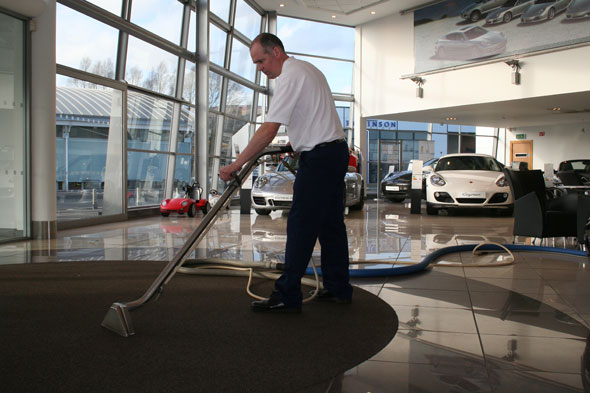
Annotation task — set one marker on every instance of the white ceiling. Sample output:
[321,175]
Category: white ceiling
[575,107]
[343,12]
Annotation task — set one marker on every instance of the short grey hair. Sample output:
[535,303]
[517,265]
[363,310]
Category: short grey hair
[268,41]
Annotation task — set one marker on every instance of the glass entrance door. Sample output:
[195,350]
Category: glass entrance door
[13,192]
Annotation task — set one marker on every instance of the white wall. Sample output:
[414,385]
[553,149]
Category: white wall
[386,53]
[564,142]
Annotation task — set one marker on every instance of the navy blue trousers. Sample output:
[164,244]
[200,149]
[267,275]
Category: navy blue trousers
[317,213]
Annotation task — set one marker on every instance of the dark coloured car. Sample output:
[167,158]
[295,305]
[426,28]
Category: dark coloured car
[544,10]
[396,186]
[574,172]
[474,12]
[578,9]
[508,11]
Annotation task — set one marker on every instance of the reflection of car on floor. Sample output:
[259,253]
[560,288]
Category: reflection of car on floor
[396,186]
[274,190]
[470,42]
[474,11]
[509,10]
[578,9]
[468,180]
[574,173]
[543,10]
[185,204]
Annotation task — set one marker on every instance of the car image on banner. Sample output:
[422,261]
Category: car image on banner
[578,9]
[470,42]
[468,180]
[510,10]
[474,12]
[544,10]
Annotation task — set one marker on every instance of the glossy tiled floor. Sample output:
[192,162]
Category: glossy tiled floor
[465,326]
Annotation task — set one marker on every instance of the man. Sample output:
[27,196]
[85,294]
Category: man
[303,103]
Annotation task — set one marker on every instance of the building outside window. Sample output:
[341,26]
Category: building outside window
[13,129]
[156,93]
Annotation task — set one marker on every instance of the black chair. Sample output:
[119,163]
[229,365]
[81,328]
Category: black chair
[569,178]
[534,214]
[520,166]
[583,221]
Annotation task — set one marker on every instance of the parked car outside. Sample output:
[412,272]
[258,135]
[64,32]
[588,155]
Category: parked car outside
[510,9]
[274,190]
[578,9]
[574,173]
[469,42]
[544,10]
[396,186]
[468,180]
[474,12]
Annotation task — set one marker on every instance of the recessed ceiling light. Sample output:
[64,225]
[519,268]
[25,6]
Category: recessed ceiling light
[451,118]
[333,16]
[373,12]
[556,109]
[281,5]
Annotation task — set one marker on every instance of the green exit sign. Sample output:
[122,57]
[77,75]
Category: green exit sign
[520,136]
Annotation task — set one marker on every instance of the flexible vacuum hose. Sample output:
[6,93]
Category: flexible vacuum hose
[218,266]
[430,258]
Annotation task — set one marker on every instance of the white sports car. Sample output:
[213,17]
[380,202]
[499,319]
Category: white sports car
[468,181]
[274,190]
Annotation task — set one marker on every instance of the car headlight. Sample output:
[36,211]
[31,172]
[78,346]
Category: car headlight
[261,182]
[184,203]
[163,203]
[501,182]
[437,180]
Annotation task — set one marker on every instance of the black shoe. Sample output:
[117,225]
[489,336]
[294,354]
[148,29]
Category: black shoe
[274,304]
[326,296]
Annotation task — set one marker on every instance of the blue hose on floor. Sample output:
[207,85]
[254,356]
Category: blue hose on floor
[408,269]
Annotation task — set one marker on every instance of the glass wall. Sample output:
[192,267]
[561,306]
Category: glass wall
[13,205]
[150,78]
[237,108]
[329,47]
[132,94]
[232,119]
[88,148]
[420,141]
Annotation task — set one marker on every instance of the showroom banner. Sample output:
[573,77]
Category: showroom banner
[457,32]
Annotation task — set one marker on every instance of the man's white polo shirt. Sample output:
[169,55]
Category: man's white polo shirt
[303,103]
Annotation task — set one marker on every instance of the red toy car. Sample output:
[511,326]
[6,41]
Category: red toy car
[185,204]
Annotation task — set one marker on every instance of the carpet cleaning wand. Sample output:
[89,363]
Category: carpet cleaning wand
[118,317]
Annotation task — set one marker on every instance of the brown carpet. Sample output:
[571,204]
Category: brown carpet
[200,336]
